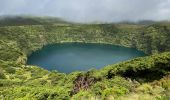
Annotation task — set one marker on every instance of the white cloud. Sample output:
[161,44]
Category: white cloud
[90,10]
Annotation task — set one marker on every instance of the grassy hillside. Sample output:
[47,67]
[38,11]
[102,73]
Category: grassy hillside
[145,78]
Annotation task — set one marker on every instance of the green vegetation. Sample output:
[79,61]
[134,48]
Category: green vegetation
[145,78]
[28,20]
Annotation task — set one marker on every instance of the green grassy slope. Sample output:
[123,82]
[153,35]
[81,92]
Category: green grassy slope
[138,78]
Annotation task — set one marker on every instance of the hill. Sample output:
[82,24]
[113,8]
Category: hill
[29,20]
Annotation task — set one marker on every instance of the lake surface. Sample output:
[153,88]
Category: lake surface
[71,57]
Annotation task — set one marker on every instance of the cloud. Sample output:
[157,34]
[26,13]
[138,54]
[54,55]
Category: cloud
[90,10]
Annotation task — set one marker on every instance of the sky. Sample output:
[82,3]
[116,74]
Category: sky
[90,10]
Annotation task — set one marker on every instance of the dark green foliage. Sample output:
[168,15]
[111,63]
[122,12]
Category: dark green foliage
[148,68]
[2,75]
[10,70]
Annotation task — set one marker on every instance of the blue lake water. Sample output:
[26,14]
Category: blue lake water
[69,57]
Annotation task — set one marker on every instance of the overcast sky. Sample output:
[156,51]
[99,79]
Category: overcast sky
[90,10]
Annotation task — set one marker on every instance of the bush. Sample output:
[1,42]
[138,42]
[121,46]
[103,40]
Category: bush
[116,92]
[2,75]
[10,70]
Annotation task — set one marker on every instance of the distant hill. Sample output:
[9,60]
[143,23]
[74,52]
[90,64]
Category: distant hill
[29,20]
[146,22]
[36,20]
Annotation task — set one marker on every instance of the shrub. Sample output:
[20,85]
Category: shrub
[10,70]
[2,75]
